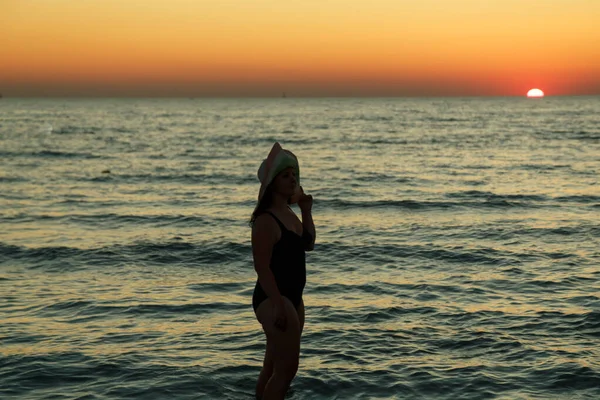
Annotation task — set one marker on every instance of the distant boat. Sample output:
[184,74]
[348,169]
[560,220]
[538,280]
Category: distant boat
[283,95]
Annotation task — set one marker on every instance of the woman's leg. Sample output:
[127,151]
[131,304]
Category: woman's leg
[284,346]
[300,311]
[266,371]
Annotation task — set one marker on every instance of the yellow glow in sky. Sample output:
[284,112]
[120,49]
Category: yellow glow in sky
[307,48]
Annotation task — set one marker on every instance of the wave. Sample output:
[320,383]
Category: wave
[383,288]
[74,310]
[80,375]
[481,199]
[587,324]
[177,252]
[522,233]
[364,117]
[388,255]
[121,219]
[71,129]
[581,135]
[89,130]
[541,167]
[12,179]
[216,178]
[425,204]
[375,141]
[446,119]
[476,194]
[377,177]
[62,258]
[51,154]
[290,138]
[586,199]
[579,230]
[131,374]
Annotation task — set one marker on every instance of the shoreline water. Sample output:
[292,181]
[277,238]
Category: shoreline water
[457,253]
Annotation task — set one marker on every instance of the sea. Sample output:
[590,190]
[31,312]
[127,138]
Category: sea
[457,252]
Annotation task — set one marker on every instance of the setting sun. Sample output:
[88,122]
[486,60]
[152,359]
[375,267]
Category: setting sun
[535,93]
[379,48]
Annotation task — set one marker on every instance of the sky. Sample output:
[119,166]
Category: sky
[320,48]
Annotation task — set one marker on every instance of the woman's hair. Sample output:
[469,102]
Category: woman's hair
[265,204]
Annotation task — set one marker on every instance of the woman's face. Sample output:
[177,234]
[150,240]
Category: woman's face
[285,182]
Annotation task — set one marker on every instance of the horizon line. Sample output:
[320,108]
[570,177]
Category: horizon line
[3,96]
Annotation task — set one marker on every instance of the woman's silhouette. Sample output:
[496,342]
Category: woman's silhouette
[279,242]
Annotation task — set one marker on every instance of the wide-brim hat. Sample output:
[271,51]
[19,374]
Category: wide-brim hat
[277,160]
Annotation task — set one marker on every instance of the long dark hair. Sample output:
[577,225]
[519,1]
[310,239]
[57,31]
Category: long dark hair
[264,205]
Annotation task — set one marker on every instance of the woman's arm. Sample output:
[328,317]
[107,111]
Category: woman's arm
[264,238]
[305,203]
[309,226]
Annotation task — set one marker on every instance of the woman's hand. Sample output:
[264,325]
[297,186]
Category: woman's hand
[280,316]
[305,201]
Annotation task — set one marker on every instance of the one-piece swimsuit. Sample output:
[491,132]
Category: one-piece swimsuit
[288,265]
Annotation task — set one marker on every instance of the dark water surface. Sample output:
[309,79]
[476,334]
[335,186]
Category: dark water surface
[457,255]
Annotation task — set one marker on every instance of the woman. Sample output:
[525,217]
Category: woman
[279,242]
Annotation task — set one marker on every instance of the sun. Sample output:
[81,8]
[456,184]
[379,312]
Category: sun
[535,93]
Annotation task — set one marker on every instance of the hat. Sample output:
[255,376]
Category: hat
[277,160]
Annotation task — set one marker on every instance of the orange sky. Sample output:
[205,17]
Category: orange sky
[303,48]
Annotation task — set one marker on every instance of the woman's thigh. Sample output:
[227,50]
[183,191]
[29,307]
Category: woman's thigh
[285,344]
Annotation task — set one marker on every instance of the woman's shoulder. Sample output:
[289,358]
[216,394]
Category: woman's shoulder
[265,228]
[265,220]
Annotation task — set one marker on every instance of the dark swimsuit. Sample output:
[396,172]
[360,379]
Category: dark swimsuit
[288,264]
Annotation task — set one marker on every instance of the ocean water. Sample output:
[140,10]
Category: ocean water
[457,252]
